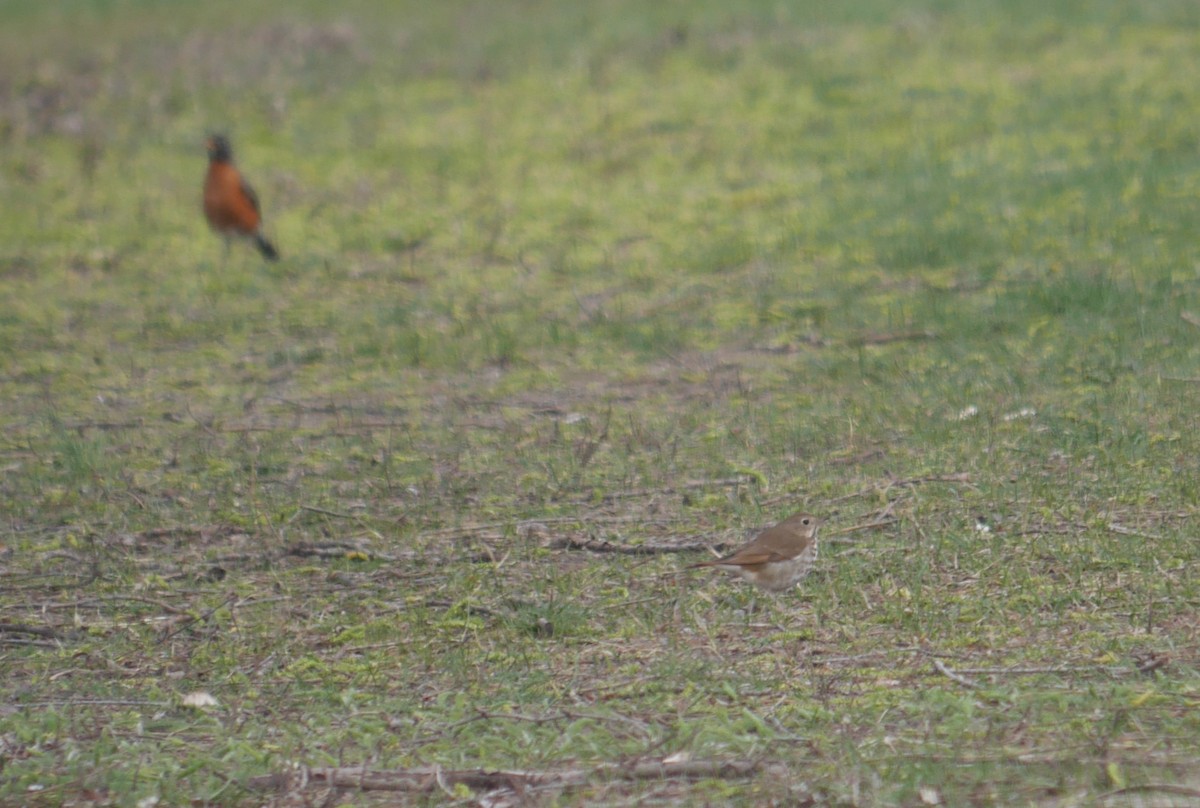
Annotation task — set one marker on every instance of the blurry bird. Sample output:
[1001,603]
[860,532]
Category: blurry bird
[777,558]
[230,204]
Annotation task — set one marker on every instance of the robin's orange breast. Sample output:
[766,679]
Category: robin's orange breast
[227,206]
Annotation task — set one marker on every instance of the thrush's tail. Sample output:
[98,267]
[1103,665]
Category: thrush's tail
[265,247]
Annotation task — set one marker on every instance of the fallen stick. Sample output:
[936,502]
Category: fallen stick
[605,546]
[1126,531]
[957,677]
[956,477]
[428,779]
[884,339]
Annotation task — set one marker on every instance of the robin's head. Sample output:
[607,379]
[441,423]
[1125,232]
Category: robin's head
[219,148]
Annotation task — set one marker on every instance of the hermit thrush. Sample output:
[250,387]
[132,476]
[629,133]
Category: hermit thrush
[778,557]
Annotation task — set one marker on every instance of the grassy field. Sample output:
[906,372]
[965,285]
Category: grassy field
[571,294]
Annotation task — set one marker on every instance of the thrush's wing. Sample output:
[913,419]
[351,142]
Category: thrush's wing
[780,542]
[748,556]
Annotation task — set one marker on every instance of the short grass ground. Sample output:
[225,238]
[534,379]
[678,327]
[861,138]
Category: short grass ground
[569,294]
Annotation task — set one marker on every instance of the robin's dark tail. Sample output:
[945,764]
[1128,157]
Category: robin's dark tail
[265,247]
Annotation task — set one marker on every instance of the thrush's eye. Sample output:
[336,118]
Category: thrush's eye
[806,521]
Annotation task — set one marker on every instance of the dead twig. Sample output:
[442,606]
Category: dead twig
[819,660]
[884,339]
[943,669]
[324,512]
[22,628]
[190,621]
[1149,662]
[1051,530]
[881,518]
[427,779]
[605,546]
[109,599]
[691,485]
[811,340]
[587,448]
[527,524]
[862,457]
[31,705]
[1125,531]
[1034,671]
[334,549]
[29,643]
[538,720]
[337,515]
[189,532]
[1165,788]
[955,477]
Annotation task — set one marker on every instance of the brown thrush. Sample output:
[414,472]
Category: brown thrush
[777,558]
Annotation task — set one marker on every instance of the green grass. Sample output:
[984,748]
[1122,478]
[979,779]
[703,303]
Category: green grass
[636,274]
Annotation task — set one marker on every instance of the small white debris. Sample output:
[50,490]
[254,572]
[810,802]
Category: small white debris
[678,757]
[574,418]
[147,802]
[1024,412]
[929,796]
[199,699]
[981,525]
[967,412]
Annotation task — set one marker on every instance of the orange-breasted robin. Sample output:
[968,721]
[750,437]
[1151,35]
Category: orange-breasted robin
[230,204]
